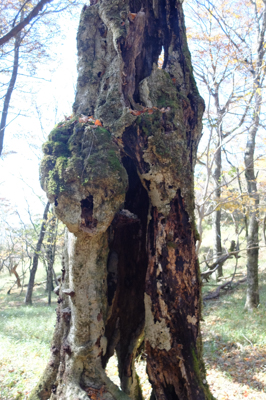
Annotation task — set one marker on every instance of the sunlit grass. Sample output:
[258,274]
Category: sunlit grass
[228,330]
[25,336]
[227,318]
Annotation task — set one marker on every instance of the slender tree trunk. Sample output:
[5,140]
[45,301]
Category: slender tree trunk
[125,192]
[217,174]
[28,298]
[258,74]
[252,299]
[13,271]
[50,255]
[10,90]
[216,216]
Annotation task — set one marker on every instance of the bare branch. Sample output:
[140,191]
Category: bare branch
[14,31]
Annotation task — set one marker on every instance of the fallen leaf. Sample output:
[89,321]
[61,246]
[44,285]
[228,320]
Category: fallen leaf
[135,112]
[98,122]
[132,16]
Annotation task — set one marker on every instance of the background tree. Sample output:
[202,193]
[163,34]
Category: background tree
[28,298]
[24,26]
[121,179]
[50,251]
[228,62]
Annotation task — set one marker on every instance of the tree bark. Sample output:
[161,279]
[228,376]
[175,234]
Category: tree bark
[28,298]
[252,299]
[125,192]
[10,89]
[13,271]
[216,216]
[50,255]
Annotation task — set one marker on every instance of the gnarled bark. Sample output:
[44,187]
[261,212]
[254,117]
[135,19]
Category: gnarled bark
[125,192]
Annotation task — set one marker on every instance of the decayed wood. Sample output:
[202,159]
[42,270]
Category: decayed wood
[124,189]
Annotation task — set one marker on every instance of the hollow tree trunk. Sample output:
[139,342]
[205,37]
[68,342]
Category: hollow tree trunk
[125,192]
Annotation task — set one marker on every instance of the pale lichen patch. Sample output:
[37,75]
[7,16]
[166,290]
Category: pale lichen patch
[192,320]
[158,334]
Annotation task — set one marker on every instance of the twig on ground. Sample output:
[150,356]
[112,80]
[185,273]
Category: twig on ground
[247,339]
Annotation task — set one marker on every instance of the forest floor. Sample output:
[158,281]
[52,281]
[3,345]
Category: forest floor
[234,343]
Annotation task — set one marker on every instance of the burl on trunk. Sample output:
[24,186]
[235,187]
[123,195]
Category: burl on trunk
[124,189]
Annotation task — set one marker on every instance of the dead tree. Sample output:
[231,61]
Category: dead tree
[120,173]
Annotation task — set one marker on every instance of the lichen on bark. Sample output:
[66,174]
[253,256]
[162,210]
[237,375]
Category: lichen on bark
[125,192]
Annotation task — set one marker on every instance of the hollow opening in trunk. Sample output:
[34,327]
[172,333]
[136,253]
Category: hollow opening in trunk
[88,223]
[127,266]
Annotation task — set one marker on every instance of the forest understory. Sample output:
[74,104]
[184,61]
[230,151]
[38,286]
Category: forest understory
[234,341]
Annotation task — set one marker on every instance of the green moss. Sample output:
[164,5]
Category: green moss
[88,157]
[47,147]
[103,135]
[59,135]
[56,148]
[162,146]
[200,372]
[60,165]
[113,160]
[62,131]
[75,165]
[55,182]
[150,123]
[52,182]
[165,101]
[172,245]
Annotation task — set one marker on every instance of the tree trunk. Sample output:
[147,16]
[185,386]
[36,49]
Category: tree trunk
[10,88]
[252,299]
[28,298]
[13,271]
[50,255]
[216,216]
[125,192]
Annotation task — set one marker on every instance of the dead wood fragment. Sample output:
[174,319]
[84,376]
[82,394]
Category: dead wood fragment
[216,293]
[213,267]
